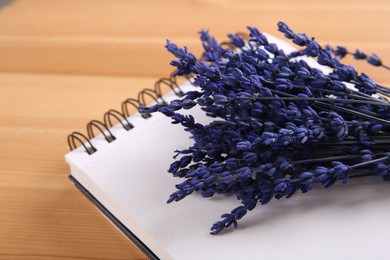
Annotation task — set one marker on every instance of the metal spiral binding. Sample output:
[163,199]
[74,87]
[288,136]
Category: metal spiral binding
[79,136]
[121,116]
[94,123]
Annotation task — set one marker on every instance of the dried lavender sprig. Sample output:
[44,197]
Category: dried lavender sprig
[324,159]
[323,99]
[373,59]
[382,159]
[342,109]
[286,188]
[325,57]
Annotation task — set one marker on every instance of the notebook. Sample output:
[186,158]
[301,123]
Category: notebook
[127,180]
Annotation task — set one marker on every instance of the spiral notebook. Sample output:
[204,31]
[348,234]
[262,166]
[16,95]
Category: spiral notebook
[123,171]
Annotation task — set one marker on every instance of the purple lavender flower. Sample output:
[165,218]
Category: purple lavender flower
[237,40]
[280,126]
[374,60]
[359,55]
[341,51]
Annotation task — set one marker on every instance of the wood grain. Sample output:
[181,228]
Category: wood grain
[63,63]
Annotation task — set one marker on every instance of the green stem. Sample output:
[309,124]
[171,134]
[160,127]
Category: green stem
[333,158]
[370,162]
[324,99]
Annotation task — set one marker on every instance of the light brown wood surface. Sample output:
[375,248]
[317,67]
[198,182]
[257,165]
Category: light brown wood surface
[63,63]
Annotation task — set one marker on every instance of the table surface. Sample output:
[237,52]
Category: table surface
[63,63]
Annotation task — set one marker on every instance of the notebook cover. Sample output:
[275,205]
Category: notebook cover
[127,232]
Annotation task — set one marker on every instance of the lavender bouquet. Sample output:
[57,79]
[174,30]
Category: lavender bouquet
[280,126]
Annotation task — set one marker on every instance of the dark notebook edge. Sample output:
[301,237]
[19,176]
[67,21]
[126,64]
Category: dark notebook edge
[127,232]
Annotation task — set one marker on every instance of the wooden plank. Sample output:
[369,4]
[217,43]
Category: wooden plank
[127,38]
[174,18]
[56,223]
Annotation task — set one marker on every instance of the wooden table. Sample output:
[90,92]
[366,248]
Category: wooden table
[63,63]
